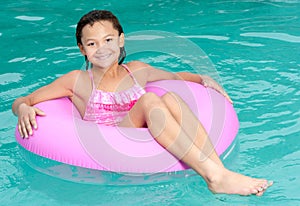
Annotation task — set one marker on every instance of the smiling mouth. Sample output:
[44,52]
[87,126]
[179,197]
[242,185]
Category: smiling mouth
[103,56]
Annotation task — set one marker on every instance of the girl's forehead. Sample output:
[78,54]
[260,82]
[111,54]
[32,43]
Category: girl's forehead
[99,27]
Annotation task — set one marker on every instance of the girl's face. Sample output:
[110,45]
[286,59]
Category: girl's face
[101,44]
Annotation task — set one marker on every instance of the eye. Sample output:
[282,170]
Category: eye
[109,40]
[91,44]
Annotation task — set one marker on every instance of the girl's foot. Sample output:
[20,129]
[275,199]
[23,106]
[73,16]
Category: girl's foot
[229,182]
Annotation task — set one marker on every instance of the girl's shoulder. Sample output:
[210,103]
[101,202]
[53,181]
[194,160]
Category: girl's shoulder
[75,74]
[137,65]
[72,77]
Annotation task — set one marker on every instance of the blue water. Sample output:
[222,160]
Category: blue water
[254,46]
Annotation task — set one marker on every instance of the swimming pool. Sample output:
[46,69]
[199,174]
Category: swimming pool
[254,46]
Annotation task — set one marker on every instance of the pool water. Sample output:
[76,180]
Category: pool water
[254,46]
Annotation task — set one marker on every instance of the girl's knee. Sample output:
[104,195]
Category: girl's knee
[151,100]
[170,97]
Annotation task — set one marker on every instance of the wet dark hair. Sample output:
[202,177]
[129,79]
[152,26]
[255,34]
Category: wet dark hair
[96,16]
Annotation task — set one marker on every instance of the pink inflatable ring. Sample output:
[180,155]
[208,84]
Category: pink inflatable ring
[64,137]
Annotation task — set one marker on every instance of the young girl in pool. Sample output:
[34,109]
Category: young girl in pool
[113,94]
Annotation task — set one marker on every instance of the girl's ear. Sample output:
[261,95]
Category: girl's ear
[121,40]
[81,49]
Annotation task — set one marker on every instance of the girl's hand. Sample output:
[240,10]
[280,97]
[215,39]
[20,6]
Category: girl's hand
[27,119]
[209,82]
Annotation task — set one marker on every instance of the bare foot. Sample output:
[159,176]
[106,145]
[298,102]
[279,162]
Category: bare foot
[229,182]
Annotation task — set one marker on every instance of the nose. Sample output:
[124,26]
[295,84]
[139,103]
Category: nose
[100,48]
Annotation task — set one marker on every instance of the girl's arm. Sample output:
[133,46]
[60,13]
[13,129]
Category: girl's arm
[154,74]
[205,81]
[187,76]
[23,106]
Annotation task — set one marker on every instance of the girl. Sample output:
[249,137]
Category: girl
[112,93]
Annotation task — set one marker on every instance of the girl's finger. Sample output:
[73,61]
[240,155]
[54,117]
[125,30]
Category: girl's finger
[227,97]
[224,93]
[20,130]
[28,127]
[24,131]
[39,112]
[33,122]
[33,118]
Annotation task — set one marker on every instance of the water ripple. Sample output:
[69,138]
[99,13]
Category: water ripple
[273,35]
[26,59]
[61,49]
[29,18]
[244,43]
[211,37]
[8,78]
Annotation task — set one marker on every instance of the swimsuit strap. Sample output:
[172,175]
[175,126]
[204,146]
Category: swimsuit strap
[131,75]
[123,65]
[92,78]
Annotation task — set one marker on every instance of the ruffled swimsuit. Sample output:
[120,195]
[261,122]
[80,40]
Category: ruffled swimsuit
[110,108]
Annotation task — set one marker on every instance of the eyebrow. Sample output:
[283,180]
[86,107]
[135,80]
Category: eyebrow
[108,35]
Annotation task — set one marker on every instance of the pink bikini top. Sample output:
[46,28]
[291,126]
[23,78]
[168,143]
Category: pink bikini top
[110,108]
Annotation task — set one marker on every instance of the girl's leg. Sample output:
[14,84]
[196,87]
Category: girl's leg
[198,135]
[152,110]
[191,125]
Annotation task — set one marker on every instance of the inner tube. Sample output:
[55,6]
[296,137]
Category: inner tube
[64,137]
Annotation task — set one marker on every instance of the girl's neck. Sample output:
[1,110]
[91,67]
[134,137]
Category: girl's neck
[112,71]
